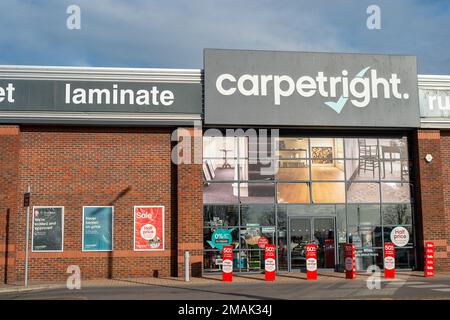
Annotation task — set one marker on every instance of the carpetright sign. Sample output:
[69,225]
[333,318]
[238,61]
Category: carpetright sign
[310,89]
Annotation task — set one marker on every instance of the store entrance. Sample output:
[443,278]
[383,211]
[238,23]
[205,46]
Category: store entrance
[320,231]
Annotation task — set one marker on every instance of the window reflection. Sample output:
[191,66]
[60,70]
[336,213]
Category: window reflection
[395,214]
[220,216]
[262,215]
[363,214]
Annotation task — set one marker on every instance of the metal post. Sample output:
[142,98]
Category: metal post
[186,266]
[26,242]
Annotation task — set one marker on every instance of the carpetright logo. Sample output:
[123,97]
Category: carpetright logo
[337,91]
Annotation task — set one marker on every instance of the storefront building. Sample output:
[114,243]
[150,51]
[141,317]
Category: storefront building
[278,147]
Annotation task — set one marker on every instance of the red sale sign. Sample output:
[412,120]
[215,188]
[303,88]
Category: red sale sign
[227,263]
[350,261]
[262,241]
[311,261]
[269,262]
[389,260]
[429,259]
[148,228]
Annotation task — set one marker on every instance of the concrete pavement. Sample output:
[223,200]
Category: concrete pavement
[410,285]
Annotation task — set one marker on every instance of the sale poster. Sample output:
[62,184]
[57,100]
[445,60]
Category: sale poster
[47,229]
[148,228]
[98,228]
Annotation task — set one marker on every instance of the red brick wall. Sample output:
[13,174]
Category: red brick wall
[445,152]
[9,170]
[190,206]
[77,166]
[433,184]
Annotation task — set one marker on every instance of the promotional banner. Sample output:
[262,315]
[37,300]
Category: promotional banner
[98,228]
[311,261]
[227,263]
[48,229]
[400,236]
[350,261]
[269,262]
[262,242]
[220,238]
[148,228]
[389,260]
[429,259]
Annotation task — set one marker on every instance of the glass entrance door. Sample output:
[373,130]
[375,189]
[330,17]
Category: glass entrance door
[320,231]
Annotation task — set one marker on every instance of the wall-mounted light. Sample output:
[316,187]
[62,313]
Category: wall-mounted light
[428,158]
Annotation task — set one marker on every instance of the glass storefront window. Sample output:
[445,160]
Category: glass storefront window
[361,148]
[365,235]
[220,216]
[263,215]
[362,169]
[394,148]
[331,171]
[363,214]
[262,169]
[212,261]
[219,147]
[395,192]
[397,214]
[366,257]
[293,193]
[397,170]
[220,193]
[290,170]
[257,192]
[219,170]
[359,192]
[360,184]
[404,258]
[282,238]
[250,260]
[341,223]
[328,192]
[292,148]
[325,149]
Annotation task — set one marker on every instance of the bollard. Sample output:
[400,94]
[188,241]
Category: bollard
[350,261]
[429,259]
[389,260]
[311,261]
[186,266]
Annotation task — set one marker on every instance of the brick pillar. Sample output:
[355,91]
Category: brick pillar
[432,224]
[190,203]
[9,178]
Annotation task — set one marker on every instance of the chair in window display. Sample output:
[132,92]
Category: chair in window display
[396,148]
[368,157]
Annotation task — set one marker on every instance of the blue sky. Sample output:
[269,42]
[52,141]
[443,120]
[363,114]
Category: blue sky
[173,33]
